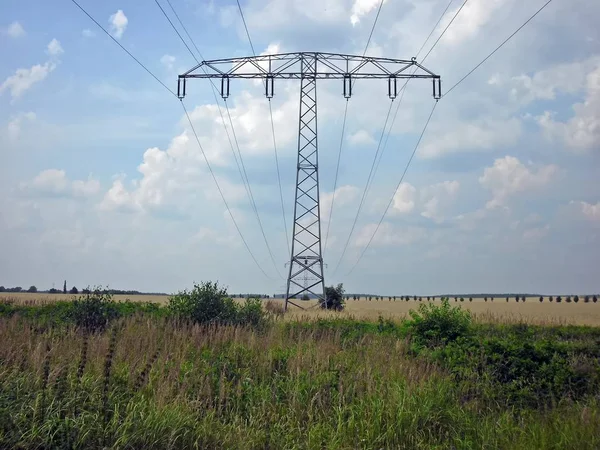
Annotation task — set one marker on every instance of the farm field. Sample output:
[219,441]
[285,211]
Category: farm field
[532,311]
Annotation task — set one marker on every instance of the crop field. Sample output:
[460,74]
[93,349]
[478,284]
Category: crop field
[531,311]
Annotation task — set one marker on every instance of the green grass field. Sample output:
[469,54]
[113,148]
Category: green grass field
[440,380]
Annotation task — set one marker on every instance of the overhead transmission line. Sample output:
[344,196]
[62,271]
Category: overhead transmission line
[245,181]
[380,150]
[337,167]
[193,130]
[272,132]
[427,123]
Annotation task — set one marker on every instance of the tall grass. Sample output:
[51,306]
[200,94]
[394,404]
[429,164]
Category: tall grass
[147,383]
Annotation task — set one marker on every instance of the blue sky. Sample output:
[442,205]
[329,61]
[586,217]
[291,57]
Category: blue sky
[101,181]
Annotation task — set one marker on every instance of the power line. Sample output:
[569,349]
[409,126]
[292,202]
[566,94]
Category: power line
[403,89]
[365,190]
[427,123]
[191,125]
[337,169]
[245,181]
[123,48]
[273,134]
[498,48]
[220,191]
[395,190]
[246,27]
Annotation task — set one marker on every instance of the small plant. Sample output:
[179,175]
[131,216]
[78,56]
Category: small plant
[334,298]
[434,325]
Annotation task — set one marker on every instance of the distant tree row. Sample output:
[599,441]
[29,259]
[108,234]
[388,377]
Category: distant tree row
[517,298]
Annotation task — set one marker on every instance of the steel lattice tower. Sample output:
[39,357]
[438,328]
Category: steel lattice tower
[306,260]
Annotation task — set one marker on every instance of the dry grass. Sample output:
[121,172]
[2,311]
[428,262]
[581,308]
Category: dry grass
[532,311]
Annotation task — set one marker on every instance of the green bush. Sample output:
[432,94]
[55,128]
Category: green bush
[208,303]
[334,298]
[434,325]
[94,310]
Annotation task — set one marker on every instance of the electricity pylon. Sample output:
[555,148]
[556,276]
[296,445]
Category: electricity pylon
[306,260]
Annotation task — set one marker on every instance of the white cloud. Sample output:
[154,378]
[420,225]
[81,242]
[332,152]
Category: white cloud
[87,33]
[54,183]
[361,137]
[404,199]
[118,23]
[85,188]
[343,196]
[474,15]
[167,61]
[361,8]
[15,125]
[14,30]
[54,48]
[483,134]
[508,176]
[590,211]
[439,198]
[582,131]
[23,79]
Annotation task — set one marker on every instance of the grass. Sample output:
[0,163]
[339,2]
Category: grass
[150,382]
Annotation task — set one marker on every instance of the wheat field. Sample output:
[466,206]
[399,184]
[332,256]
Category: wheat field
[532,311]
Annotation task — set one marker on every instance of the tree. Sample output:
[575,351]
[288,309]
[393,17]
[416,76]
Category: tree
[523,299]
[485,299]
[576,299]
[595,298]
[2,289]
[586,299]
[334,298]
[568,299]
[74,290]
[517,298]
[550,299]
[32,289]
[305,297]
[558,299]
[470,299]
[541,299]
[53,291]
[65,287]
[507,299]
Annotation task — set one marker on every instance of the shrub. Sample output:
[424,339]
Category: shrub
[305,298]
[586,299]
[32,289]
[576,299]
[541,299]
[434,325]
[334,298]
[205,303]
[523,298]
[568,299]
[470,299]
[93,311]
[462,299]
[558,299]
[550,299]
[485,299]
[595,298]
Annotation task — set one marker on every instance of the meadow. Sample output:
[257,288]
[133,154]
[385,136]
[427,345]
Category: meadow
[148,376]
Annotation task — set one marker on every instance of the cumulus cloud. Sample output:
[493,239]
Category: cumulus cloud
[361,137]
[404,199]
[54,48]
[582,131]
[15,125]
[508,176]
[590,211]
[118,23]
[14,30]
[474,15]
[343,196]
[24,79]
[361,8]
[54,183]
[87,33]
